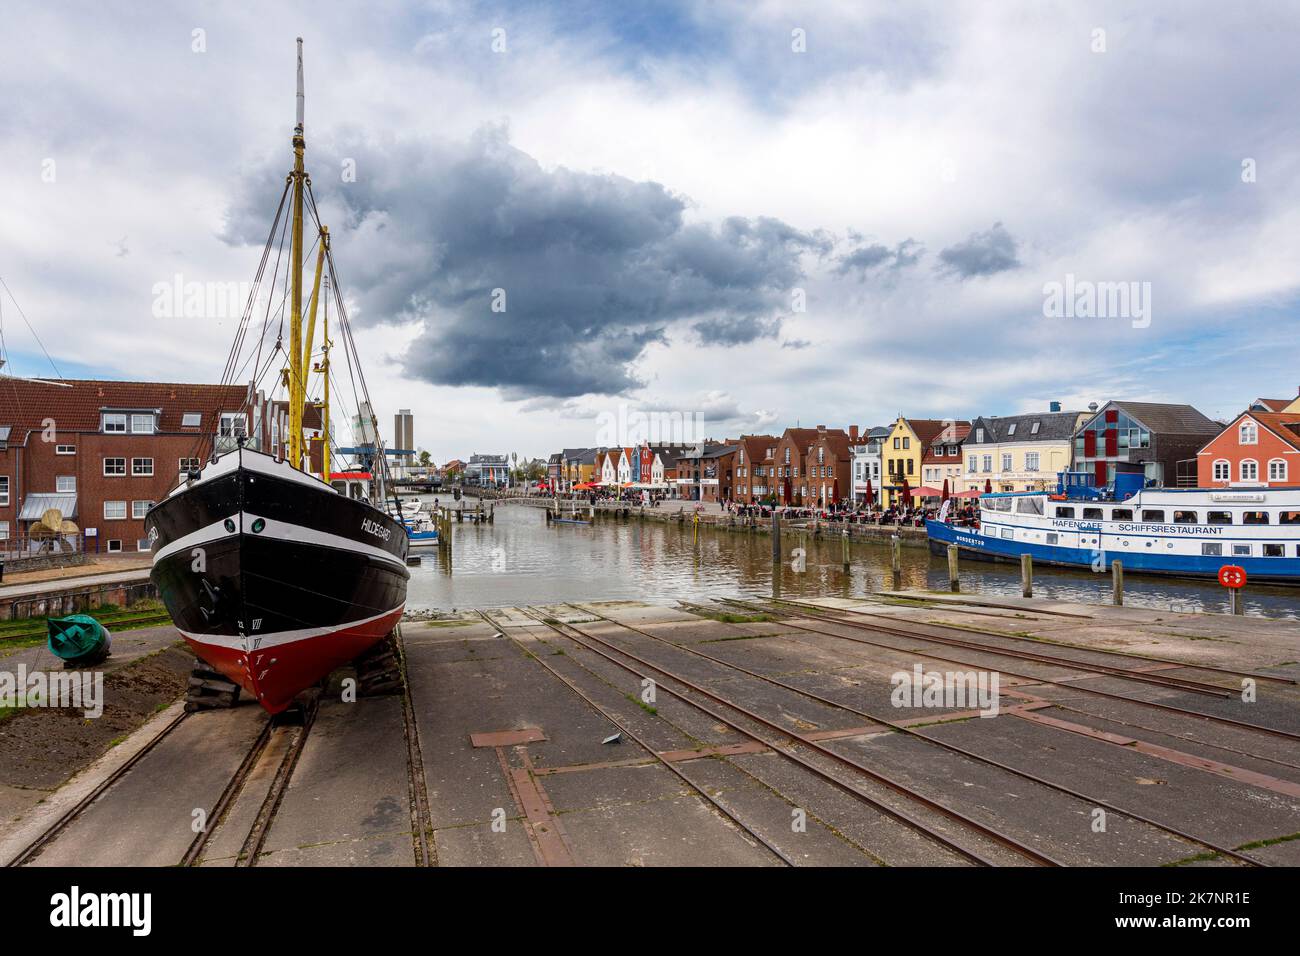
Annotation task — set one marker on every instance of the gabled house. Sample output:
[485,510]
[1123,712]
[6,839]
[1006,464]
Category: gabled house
[828,466]
[753,464]
[1276,404]
[904,450]
[1019,452]
[1257,449]
[1163,438]
[866,465]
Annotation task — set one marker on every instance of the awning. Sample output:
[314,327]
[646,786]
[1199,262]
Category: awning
[35,506]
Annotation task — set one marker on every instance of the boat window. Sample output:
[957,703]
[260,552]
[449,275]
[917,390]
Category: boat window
[1008,533]
[1052,538]
[1062,512]
[1213,550]
[1121,514]
[1157,516]
[1029,506]
[1189,517]
[340,486]
[1218,517]
[1092,514]
[1274,551]
[1254,517]
[1288,517]
[1243,549]
[1002,504]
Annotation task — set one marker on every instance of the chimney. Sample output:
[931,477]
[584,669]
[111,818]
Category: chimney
[853,432]
[821,429]
[1092,407]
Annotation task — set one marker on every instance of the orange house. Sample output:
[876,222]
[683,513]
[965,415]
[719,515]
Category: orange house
[1258,449]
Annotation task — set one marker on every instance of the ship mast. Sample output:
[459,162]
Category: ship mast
[300,345]
[297,374]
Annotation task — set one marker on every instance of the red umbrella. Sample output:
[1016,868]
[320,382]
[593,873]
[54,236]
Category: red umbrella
[988,486]
[907,493]
[945,489]
[871,495]
[835,491]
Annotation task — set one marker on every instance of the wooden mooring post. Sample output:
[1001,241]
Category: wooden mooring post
[1117,582]
[844,549]
[776,539]
[896,560]
[954,584]
[1027,575]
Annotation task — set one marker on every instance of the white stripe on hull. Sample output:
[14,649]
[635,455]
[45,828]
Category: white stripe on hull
[244,642]
[280,531]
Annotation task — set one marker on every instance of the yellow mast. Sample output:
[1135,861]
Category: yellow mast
[297,373]
[325,374]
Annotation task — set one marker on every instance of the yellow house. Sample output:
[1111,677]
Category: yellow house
[901,453]
[1019,452]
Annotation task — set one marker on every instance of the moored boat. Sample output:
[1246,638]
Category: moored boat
[1188,532]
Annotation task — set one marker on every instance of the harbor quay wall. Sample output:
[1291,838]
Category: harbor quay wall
[73,600]
[619,511]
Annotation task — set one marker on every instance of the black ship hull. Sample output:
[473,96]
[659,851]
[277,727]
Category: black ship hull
[273,577]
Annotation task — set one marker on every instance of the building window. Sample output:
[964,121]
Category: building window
[1249,469]
[1248,434]
[142,424]
[114,423]
[4,530]
[144,544]
[907,443]
[140,508]
[1033,429]
[1031,461]
[1222,470]
[65,484]
[233,424]
[1006,462]
[142,467]
[114,545]
[191,420]
[1277,470]
[972,462]
[188,464]
[4,489]
[988,463]
[114,510]
[65,449]
[1011,429]
[979,436]
[115,466]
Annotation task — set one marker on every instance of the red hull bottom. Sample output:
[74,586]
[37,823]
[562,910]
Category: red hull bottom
[275,675]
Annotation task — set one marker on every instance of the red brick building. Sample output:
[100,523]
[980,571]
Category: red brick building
[1258,449]
[753,468]
[103,452]
[828,466]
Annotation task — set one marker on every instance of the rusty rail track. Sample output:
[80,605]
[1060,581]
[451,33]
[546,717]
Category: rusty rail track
[1228,852]
[901,816]
[33,849]
[1130,655]
[1080,688]
[631,735]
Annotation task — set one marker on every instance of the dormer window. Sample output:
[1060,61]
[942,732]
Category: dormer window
[191,419]
[113,423]
[1248,434]
[979,436]
[1033,429]
[142,424]
[1011,429]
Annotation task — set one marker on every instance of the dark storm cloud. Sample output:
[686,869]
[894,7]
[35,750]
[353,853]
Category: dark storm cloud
[983,254]
[591,268]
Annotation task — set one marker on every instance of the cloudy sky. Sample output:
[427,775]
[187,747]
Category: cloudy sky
[762,212]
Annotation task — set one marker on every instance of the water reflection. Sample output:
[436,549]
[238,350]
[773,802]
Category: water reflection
[519,559]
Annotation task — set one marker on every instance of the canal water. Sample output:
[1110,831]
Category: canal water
[519,559]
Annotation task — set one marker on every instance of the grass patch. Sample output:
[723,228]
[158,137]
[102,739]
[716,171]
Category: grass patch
[648,708]
[1198,858]
[730,617]
[457,622]
[1271,841]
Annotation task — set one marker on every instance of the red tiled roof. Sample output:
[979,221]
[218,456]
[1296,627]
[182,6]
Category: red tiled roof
[928,429]
[1286,425]
[75,404]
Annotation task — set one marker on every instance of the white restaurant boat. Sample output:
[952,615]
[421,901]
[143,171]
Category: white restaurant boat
[1188,532]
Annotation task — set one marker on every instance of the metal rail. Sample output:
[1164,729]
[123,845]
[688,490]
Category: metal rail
[33,849]
[901,816]
[1035,640]
[952,748]
[623,728]
[898,632]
